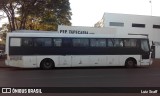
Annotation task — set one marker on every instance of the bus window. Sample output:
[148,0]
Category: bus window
[115,42]
[98,42]
[43,42]
[118,43]
[130,42]
[80,42]
[57,42]
[15,42]
[110,42]
[145,45]
[67,42]
[27,42]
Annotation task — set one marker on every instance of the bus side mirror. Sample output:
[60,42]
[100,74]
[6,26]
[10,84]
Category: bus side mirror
[152,48]
[153,51]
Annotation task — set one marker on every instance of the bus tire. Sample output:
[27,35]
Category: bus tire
[47,64]
[130,63]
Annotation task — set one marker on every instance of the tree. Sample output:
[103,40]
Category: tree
[9,7]
[57,12]
[4,30]
[37,14]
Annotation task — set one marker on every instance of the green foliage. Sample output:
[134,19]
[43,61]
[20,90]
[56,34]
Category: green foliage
[37,14]
[4,31]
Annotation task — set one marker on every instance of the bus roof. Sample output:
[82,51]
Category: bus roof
[56,34]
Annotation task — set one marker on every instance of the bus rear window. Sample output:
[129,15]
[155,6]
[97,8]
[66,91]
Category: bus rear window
[15,42]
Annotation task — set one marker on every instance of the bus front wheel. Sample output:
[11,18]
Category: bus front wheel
[47,64]
[130,63]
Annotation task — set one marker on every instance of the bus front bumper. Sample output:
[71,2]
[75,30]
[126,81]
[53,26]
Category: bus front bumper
[146,62]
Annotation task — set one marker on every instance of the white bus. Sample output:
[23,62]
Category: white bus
[47,50]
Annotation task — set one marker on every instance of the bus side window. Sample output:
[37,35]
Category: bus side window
[27,42]
[115,42]
[66,42]
[98,42]
[118,43]
[43,42]
[57,42]
[48,42]
[130,43]
[110,42]
[80,42]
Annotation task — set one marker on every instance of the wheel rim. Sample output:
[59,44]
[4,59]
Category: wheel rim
[130,64]
[47,65]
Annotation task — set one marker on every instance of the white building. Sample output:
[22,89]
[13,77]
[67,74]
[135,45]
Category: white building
[135,24]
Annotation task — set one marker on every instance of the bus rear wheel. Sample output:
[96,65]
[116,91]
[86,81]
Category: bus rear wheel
[47,64]
[130,63]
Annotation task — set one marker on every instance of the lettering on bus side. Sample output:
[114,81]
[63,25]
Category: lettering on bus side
[73,32]
[63,31]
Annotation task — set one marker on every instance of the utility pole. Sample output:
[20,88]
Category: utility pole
[150,1]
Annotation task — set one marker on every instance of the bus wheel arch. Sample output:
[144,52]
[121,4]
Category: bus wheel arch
[131,62]
[47,64]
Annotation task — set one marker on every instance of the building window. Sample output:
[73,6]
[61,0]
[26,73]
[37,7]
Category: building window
[120,24]
[138,25]
[156,26]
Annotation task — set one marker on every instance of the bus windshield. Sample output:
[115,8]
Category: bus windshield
[145,45]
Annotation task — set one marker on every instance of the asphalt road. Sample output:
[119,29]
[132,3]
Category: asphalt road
[82,77]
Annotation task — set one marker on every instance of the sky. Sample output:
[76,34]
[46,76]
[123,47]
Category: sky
[88,12]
